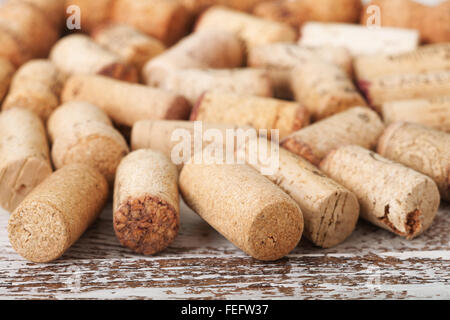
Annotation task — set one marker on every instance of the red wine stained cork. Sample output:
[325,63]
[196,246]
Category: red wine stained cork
[197,6]
[200,50]
[166,20]
[330,211]
[253,30]
[433,112]
[324,89]
[81,135]
[422,149]
[245,207]
[79,54]
[257,112]
[358,126]
[36,86]
[391,195]
[125,103]
[24,155]
[52,218]
[146,202]
[93,13]
[6,73]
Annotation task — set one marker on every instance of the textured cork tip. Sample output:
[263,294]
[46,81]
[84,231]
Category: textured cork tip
[301,149]
[413,225]
[121,72]
[146,225]
[180,109]
[387,135]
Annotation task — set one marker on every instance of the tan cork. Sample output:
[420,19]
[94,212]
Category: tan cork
[197,6]
[93,13]
[245,207]
[6,73]
[257,112]
[433,112]
[125,103]
[358,126]
[83,136]
[391,195]
[24,156]
[324,89]
[57,212]
[54,10]
[254,31]
[36,86]
[423,149]
[146,202]
[79,54]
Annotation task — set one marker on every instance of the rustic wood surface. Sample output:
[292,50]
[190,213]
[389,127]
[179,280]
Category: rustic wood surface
[201,264]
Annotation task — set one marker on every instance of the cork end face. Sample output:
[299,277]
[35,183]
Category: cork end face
[384,139]
[180,109]
[121,72]
[301,149]
[146,225]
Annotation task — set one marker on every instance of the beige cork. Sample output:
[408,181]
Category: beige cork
[57,212]
[131,45]
[245,207]
[280,58]
[200,50]
[93,13]
[391,195]
[6,73]
[324,89]
[257,112]
[54,10]
[358,126]
[36,86]
[197,6]
[254,31]
[422,149]
[125,103]
[330,211]
[433,112]
[81,135]
[166,20]
[146,202]
[24,156]
[79,54]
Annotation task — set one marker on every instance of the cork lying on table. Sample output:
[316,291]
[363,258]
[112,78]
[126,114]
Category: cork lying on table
[422,149]
[57,213]
[6,73]
[24,155]
[146,202]
[391,195]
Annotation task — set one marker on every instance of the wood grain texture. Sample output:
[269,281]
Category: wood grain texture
[201,264]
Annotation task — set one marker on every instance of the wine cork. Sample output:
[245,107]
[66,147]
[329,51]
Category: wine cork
[278,59]
[131,45]
[391,195]
[433,112]
[146,202]
[197,6]
[78,137]
[358,126]
[245,207]
[405,86]
[123,102]
[36,86]
[324,89]
[252,30]
[166,20]
[24,156]
[257,112]
[200,50]
[93,13]
[427,58]
[52,218]
[79,54]
[422,149]
[330,211]
[53,10]
[6,73]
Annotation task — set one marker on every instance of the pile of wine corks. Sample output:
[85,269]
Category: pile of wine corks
[358,118]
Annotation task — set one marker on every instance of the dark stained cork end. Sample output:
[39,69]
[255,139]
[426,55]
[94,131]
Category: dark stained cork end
[301,149]
[121,72]
[179,109]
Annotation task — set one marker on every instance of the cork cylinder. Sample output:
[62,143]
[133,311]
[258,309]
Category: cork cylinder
[78,137]
[358,126]
[324,89]
[6,73]
[24,156]
[245,207]
[125,103]
[57,212]
[257,112]
[422,149]
[36,86]
[391,195]
[146,202]
[433,112]
[79,54]
[93,13]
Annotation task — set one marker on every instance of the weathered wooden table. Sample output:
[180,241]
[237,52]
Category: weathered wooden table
[201,264]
